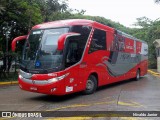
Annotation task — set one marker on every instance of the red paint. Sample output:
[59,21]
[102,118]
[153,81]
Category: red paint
[138,48]
[129,47]
[78,74]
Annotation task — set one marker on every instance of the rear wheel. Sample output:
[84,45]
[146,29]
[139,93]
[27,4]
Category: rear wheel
[91,85]
[138,75]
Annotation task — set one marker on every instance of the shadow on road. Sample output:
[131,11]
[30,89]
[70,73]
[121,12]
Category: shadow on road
[116,84]
[53,98]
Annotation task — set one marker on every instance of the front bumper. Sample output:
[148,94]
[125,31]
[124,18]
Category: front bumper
[42,86]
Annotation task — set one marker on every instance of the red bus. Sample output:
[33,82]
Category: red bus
[68,56]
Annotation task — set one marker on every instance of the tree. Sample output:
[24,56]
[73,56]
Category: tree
[149,31]
[143,22]
[14,20]
[49,7]
[2,9]
[153,33]
[17,16]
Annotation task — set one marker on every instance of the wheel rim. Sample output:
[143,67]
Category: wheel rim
[90,85]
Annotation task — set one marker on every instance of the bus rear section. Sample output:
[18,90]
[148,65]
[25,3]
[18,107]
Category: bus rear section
[68,56]
[115,56]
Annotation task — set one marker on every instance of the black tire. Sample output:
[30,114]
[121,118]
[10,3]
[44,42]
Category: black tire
[138,75]
[91,85]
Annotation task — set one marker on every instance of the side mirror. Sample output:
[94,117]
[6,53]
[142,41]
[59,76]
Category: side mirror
[62,39]
[17,39]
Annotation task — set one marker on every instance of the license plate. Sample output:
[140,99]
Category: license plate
[33,88]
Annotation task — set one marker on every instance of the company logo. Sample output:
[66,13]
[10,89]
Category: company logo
[6,114]
[21,114]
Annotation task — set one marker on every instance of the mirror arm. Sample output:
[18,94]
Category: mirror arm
[63,37]
[61,42]
[17,39]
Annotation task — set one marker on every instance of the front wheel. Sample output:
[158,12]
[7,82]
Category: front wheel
[91,85]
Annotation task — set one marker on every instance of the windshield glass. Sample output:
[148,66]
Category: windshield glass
[40,51]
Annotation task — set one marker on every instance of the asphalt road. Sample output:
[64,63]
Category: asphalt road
[142,95]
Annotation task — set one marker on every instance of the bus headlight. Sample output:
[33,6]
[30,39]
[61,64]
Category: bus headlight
[57,78]
[20,76]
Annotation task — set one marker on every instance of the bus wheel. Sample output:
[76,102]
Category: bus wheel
[91,85]
[138,75]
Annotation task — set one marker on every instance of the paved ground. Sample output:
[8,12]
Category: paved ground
[143,95]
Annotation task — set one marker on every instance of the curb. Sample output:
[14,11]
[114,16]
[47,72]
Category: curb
[9,83]
[154,73]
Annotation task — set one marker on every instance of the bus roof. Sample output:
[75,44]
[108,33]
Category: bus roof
[129,36]
[61,23]
[70,22]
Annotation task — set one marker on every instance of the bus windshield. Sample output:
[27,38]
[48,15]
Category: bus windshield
[40,54]
[40,50]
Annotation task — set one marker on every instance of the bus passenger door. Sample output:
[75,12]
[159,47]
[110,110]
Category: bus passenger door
[75,47]
[72,66]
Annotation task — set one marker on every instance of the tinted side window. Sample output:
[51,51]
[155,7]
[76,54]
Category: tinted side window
[98,41]
[118,43]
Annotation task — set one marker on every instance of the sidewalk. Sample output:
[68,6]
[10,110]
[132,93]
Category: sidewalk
[9,83]
[154,72]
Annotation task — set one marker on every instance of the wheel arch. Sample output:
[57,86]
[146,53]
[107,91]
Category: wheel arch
[96,75]
[139,70]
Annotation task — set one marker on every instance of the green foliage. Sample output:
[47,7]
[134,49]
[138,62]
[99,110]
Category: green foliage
[149,31]
[153,33]
[20,12]
[18,16]
[143,22]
